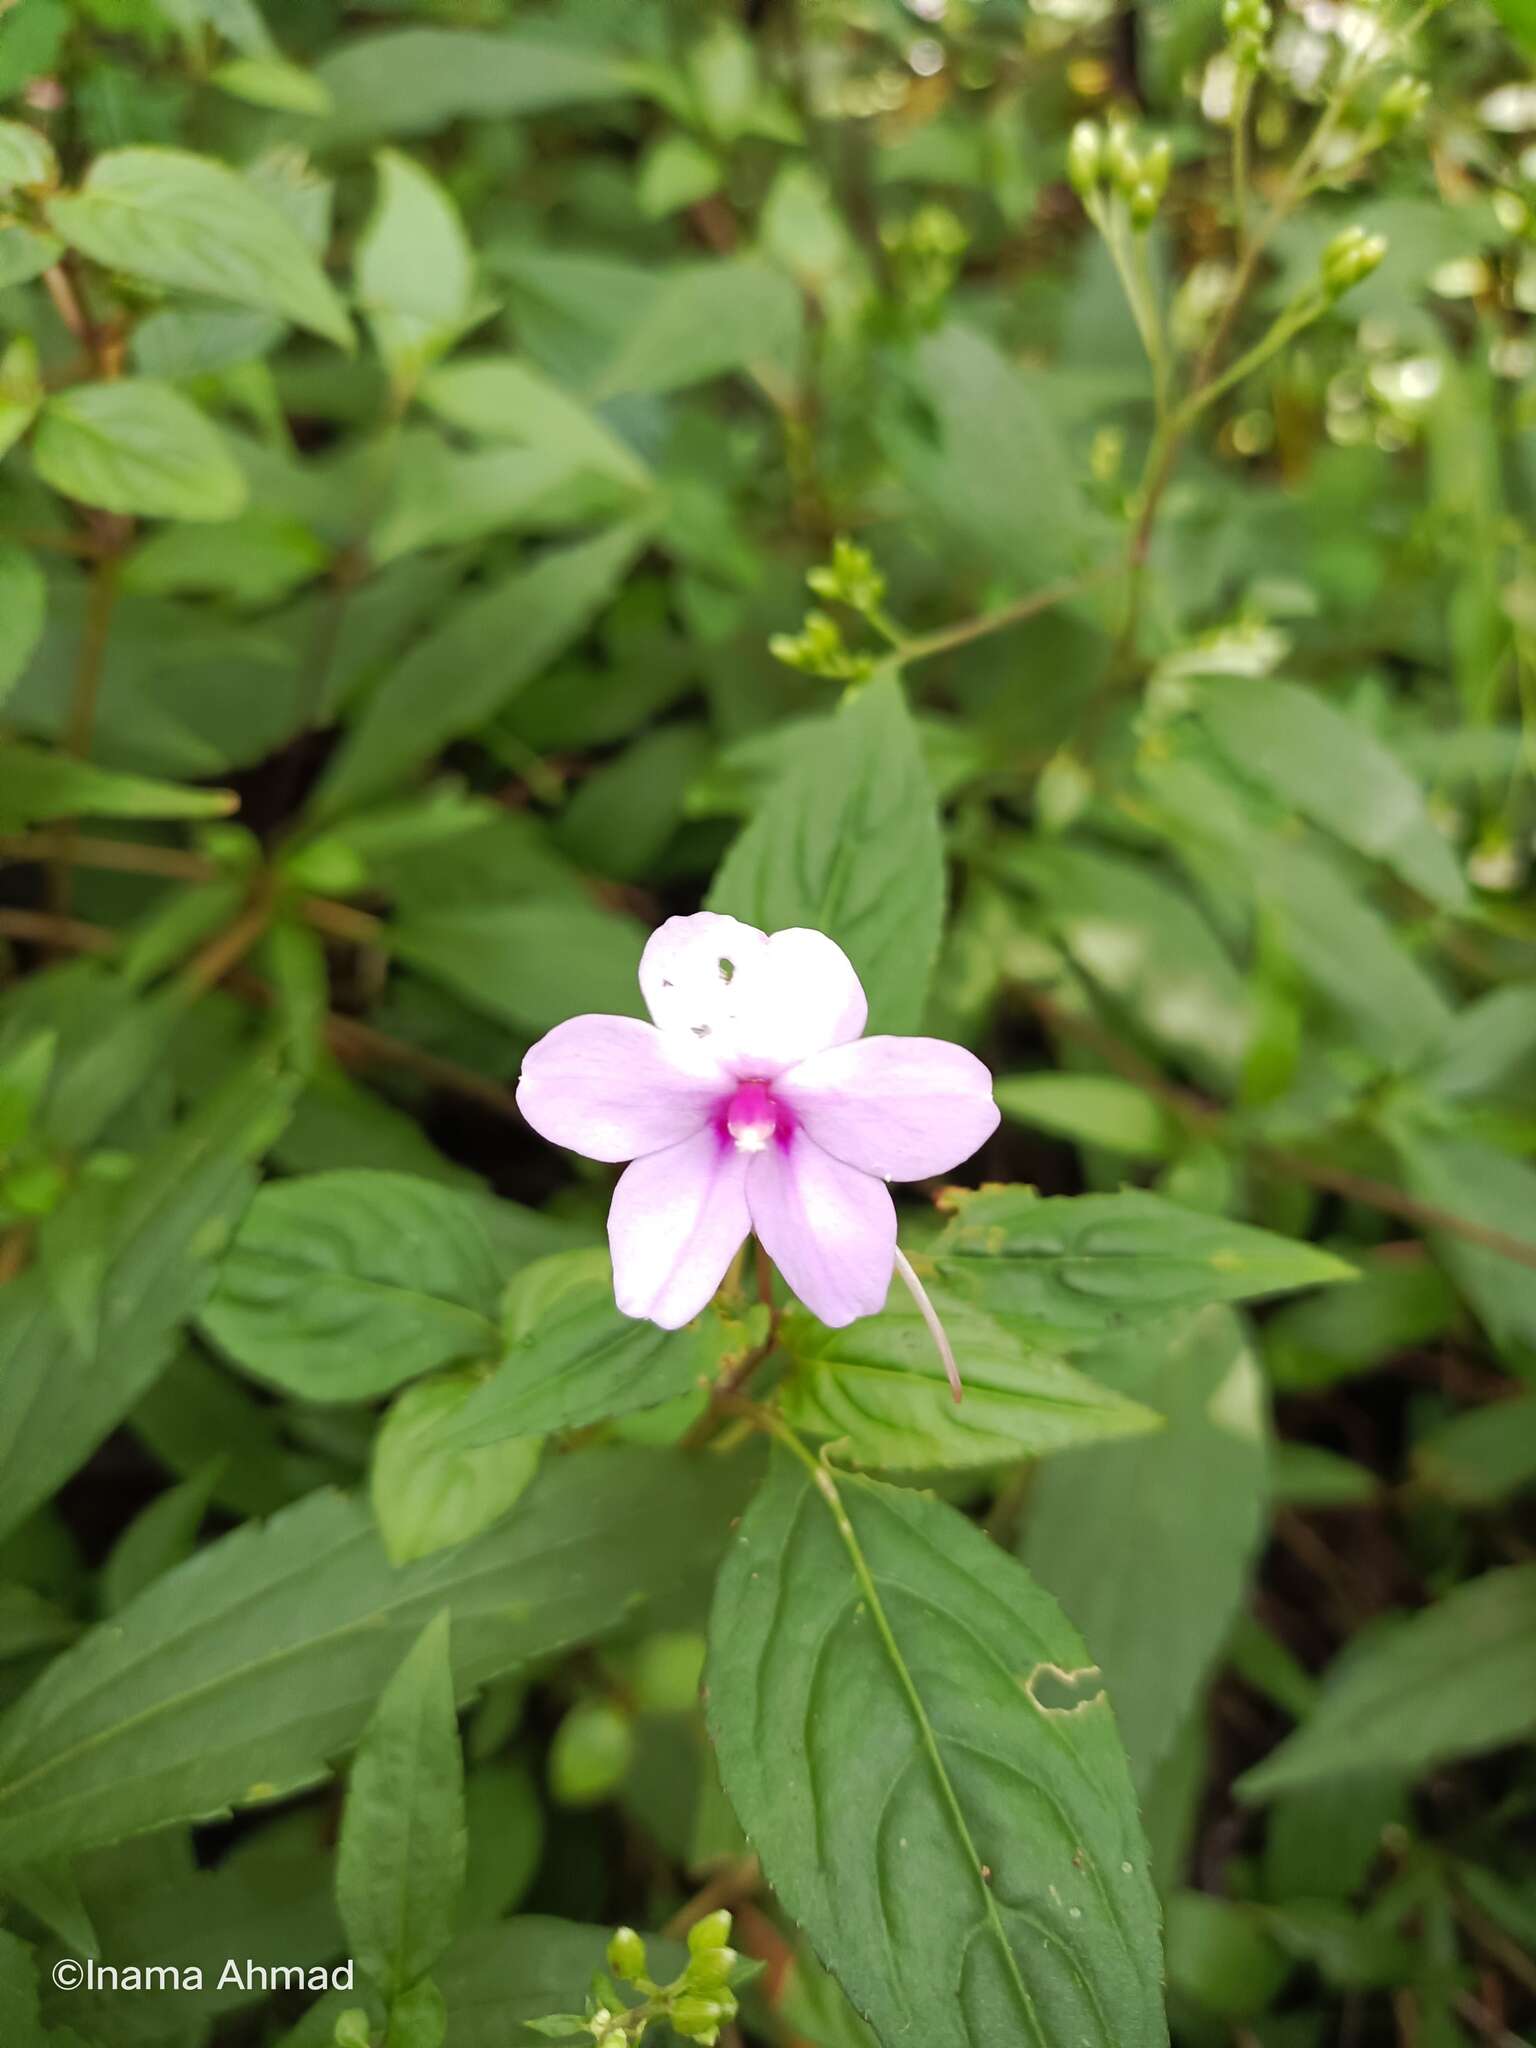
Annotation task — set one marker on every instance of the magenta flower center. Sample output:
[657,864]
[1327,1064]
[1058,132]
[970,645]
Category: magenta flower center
[753,1117]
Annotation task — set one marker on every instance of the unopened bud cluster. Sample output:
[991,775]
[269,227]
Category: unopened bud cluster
[849,578]
[1247,24]
[1101,160]
[696,2004]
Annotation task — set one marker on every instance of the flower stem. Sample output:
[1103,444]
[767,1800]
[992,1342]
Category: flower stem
[930,1316]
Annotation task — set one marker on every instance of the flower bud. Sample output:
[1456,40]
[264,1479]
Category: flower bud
[696,2018]
[352,2028]
[1085,157]
[1156,163]
[1120,158]
[616,2039]
[713,1931]
[1143,202]
[711,1968]
[1402,102]
[1350,257]
[626,1955]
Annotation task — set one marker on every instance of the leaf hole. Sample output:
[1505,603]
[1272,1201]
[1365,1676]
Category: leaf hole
[1055,1691]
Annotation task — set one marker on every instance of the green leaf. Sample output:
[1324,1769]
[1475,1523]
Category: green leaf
[847,842]
[26,157]
[21,391]
[879,1391]
[445,495]
[491,644]
[1483,1456]
[1335,772]
[193,223]
[401,1858]
[1091,1109]
[152,1255]
[409,81]
[36,785]
[23,603]
[988,425]
[240,1674]
[1141,941]
[340,1286]
[1455,1680]
[1469,1179]
[137,447]
[158,1537]
[573,1359]
[271,82]
[915,1741]
[530,965]
[1351,954]
[702,321]
[20,2023]
[1083,1264]
[430,1490]
[504,399]
[1153,1587]
[415,267]
[25,253]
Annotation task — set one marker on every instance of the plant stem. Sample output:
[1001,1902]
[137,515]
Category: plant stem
[987,623]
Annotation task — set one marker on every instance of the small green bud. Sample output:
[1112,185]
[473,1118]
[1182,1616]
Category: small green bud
[1402,102]
[1144,200]
[1156,163]
[713,1931]
[1247,21]
[626,1955]
[1085,158]
[711,1968]
[613,2040]
[352,2029]
[1350,257]
[1120,157]
[593,1748]
[697,2018]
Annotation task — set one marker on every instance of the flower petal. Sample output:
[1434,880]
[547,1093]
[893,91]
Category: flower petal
[758,1004]
[676,1221]
[688,975]
[614,1088]
[898,1107]
[829,1229]
[795,996]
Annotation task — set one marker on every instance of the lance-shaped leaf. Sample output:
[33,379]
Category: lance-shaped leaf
[36,785]
[912,1737]
[401,1858]
[1455,1680]
[878,1389]
[239,1675]
[1083,1264]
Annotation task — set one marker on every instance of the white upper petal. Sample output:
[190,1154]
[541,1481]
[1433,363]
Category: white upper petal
[758,1004]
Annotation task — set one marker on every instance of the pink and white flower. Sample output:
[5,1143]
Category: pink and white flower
[751,1103]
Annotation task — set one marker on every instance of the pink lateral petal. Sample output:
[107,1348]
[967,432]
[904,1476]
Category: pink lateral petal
[902,1108]
[613,1088]
[675,1224]
[829,1229]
